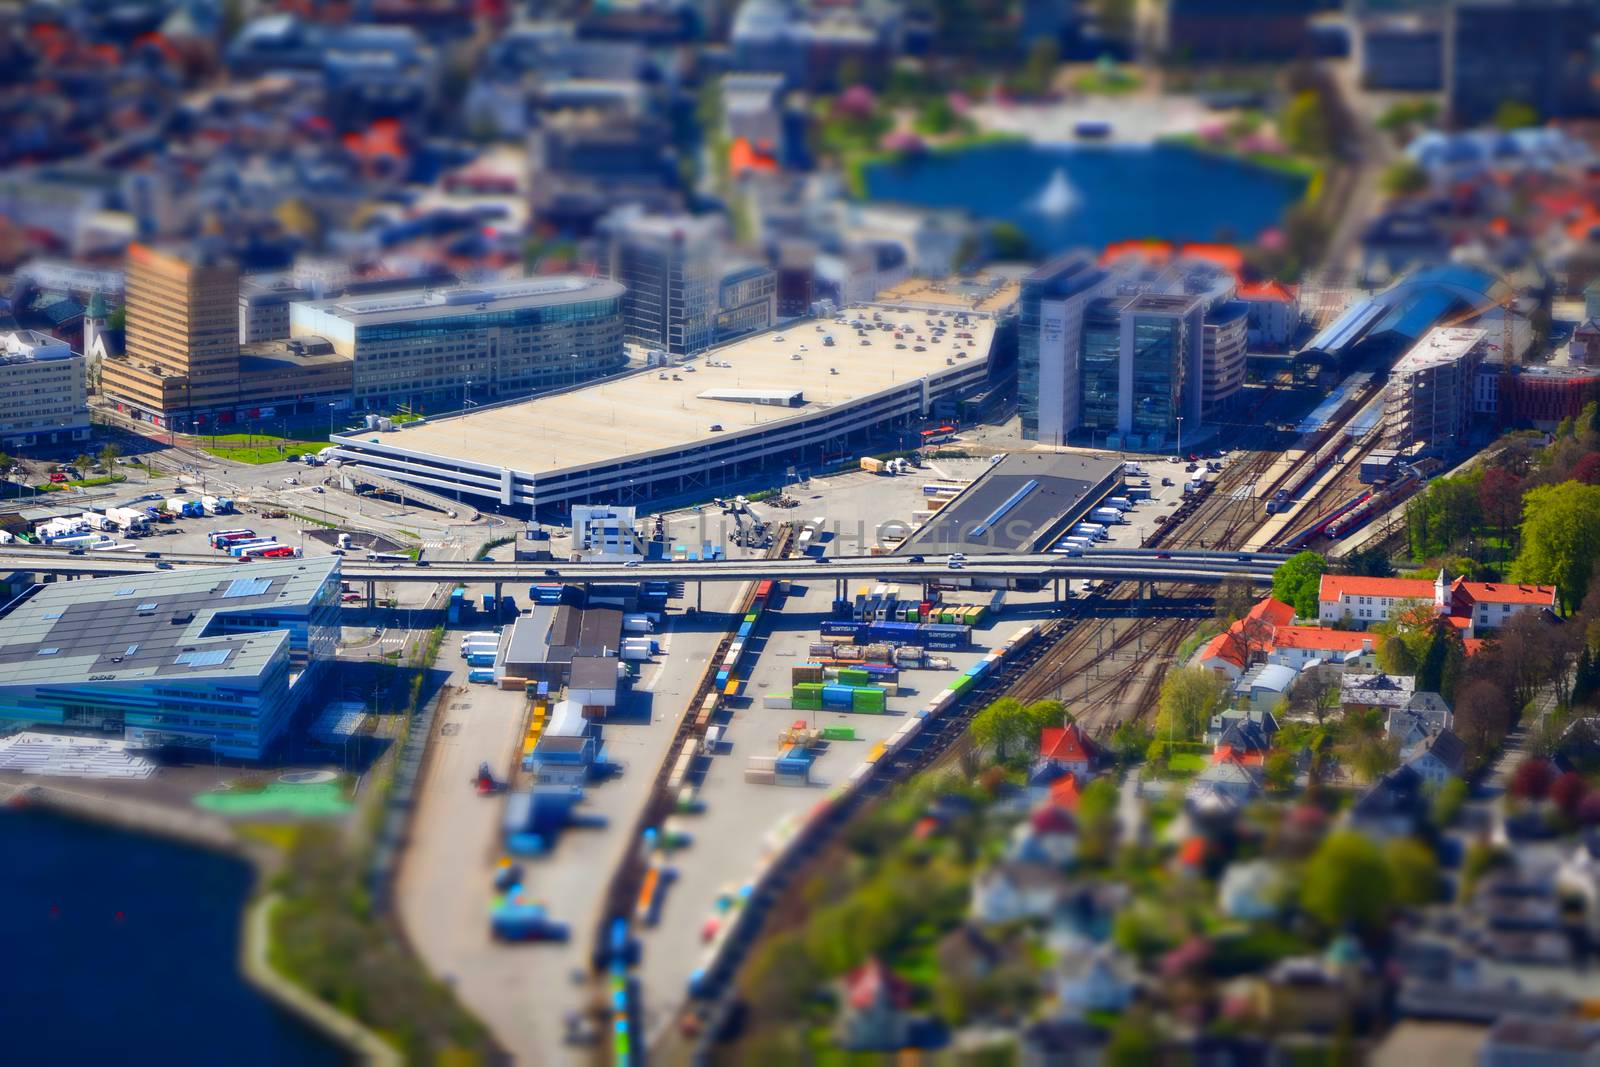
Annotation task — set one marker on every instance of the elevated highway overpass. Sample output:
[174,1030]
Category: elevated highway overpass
[1141,565]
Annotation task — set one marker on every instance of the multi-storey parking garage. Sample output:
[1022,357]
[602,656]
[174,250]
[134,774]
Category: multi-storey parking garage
[801,395]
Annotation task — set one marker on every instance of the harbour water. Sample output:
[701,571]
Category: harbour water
[124,948]
[1069,195]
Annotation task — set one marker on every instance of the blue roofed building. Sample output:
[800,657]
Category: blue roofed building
[1395,319]
[219,659]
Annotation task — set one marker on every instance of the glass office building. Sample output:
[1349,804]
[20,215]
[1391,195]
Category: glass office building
[1101,368]
[216,659]
[441,350]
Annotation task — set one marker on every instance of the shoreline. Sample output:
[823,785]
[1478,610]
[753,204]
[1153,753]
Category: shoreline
[216,835]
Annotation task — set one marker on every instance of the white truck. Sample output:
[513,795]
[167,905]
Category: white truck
[96,521]
[129,520]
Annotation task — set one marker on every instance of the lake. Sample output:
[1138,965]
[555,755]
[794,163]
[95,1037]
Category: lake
[121,948]
[1065,196]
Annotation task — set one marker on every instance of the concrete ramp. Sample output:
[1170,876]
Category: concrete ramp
[353,474]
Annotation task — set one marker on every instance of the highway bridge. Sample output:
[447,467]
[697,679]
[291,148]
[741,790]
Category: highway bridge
[1141,565]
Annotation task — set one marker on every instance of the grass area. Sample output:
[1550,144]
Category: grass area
[81,483]
[308,801]
[490,546]
[1113,82]
[254,447]
[1185,763]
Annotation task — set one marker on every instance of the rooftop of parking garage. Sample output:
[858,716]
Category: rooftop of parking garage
[666,407]
[1018,503]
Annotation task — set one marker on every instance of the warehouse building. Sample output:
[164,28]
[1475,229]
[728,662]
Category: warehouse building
[201,657]
[801,397]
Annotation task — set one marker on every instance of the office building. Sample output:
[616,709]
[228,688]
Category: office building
[1535,52]
[212,658]
[1402,52]
[182,365]
[1226,337]
[669,267]
[747,300]
[264,308]
[441,349]
[43,397]
[1429,397]
[181,351]
[1049,344]
[1127,356]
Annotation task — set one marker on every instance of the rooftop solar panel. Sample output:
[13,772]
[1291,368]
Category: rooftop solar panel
[246,587]
[211,657]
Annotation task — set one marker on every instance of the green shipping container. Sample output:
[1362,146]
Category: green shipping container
[947,616]
[812,689]
[854,676]
[805,703]
[838,733]
[751,617]
[867,700]
[962,684]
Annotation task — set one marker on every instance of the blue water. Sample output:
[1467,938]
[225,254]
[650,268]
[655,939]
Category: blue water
[121,948]
[1114,192]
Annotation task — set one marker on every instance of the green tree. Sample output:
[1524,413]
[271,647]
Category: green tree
[1404,177]
[1447,803]
[1007,240]
[1278,769]
[1346,883]
[1394,656]
[1304,124]
[1004,727]
[1560,538]
[1189,697]
[936,117]
[117,319]
[1038,72]
[1413,871]
[109,456]
[1515,115]
[1298,580]
[1373,757]
[83,462]
[1043,714]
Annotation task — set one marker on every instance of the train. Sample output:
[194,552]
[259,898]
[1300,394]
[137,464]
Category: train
[1375,504]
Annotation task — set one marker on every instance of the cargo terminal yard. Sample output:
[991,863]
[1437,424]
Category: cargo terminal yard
[794,395]
[679,776]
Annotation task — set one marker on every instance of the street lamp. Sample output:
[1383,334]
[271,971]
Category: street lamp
[1180,436]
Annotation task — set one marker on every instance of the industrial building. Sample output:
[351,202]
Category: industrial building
[550,642]
[1428,399]
[454,347]
[43,398]
[1024,503]
[761,403]
[215,659]
[1395,319]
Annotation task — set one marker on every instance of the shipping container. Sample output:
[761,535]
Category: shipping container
[481,675]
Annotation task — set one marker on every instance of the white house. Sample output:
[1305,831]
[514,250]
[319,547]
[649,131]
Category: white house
[1010,891]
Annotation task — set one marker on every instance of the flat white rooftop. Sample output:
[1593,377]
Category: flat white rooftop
[1439,346]
[665,407]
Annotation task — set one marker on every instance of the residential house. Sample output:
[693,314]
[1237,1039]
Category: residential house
[1439,758]
[876,1010]
[1098,979]
[968,954]
[1049,836]
[1301,646]
[1523,1041]
[1359,692]
[1062,1043]
[1225,784]
[1010,891]
[1407,728]
[1243,731]
[1246,640]
[1253,890]
[1069,749]
[1393,807]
